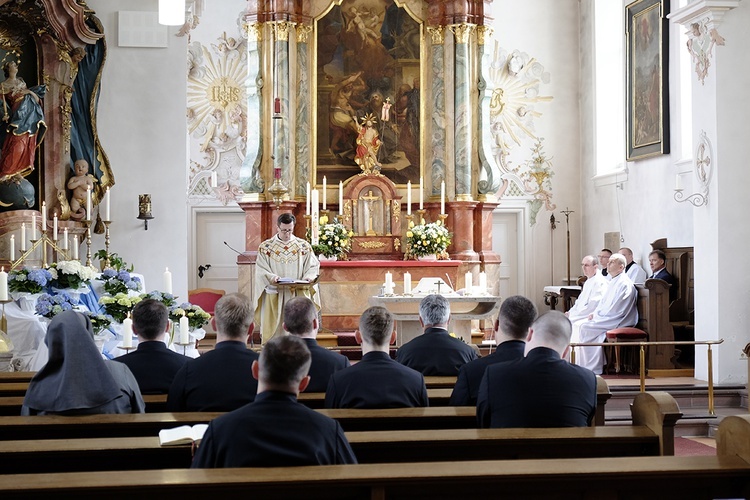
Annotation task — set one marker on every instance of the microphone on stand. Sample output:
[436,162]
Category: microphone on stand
[232,249]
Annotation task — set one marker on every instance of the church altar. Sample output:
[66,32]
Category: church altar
[464,309]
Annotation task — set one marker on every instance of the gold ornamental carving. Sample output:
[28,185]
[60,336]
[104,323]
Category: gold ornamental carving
[254,32]
[281,30]
[484,33]
[464,197]
[462,31]
[370,245]
[303,32]
[437,34]
[397,244]
[66,109]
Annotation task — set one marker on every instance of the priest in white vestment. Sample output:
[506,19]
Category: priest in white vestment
[616,309]
[282,258]
[593,290]
[635,272]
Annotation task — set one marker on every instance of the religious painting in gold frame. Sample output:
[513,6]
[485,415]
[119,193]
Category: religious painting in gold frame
[647,41]
[368,57]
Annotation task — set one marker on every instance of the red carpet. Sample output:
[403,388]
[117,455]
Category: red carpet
[684,447]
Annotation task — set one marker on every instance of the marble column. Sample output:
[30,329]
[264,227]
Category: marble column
[250,179]
[462,110]
[489,170]
[302,118]
[437,143]
[280,99]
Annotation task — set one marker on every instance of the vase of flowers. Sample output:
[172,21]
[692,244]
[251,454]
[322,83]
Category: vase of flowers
[425,240]
[120,281]
[25,286]
[118,306]
[334,241]
[197,319]
[100,323]
[71,274]
[165,298]
[48,306]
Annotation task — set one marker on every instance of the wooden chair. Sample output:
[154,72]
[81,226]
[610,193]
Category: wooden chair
[206,298]
[628,334]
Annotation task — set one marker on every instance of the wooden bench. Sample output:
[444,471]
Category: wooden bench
[653,418]
[664,477]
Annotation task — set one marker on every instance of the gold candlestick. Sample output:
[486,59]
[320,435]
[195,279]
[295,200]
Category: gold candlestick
[106,243]
[421,213]
[87,224]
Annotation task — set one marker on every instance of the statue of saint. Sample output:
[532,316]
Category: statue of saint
[368,143]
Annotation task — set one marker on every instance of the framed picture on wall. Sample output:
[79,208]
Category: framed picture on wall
[647,78]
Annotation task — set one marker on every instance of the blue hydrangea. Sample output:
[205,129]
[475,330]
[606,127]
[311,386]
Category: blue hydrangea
[109,273]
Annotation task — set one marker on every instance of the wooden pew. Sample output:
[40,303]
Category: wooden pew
[653,318]
[11,405]
[726,475]
[654,418]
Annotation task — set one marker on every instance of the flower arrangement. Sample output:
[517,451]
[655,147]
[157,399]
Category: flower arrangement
[426,239]
[50,305]
[165,298]
[120,281]
[196,316]
[334,239]
[29,280]
[113,260]
[71,274]
[119,305]
[100,322]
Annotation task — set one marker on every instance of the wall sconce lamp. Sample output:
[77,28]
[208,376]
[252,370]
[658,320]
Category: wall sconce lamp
[172,12]
[703,168]
[144,209]
[277,189]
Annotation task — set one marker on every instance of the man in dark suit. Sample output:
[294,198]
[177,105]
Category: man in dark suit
[301,319]
[658,260]
[153,364]
[376,381]
[435,352]
[275,430]
[221,379]
[512,325]
[542,389]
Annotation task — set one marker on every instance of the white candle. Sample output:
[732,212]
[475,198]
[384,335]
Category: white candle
[421,193]
[184,330]
[307,199]
[75,247]
[106,206]
[341,197]
[54,227]
[388,278]
[324,192]
[23,236]
[88,203]
[12,247]
[315,220]
[483,282]
[408,198]
[167,281]
[65,239]
[467,283]
[677,183]
[127,332]
[442,197]
[44,216]
[3,284]
[214,179]
[33,227]
[407,283]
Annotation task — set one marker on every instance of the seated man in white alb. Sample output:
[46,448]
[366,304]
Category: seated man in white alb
[592,292]
[617,309]
[632,269]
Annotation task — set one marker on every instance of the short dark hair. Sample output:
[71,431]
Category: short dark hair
[659,254]
[150,318]
[517,313]
[299,314]
[234,315]
[376,325]
[286,218]
[284,360]
[607,250]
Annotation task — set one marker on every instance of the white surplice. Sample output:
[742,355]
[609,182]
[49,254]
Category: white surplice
[592,292]
[616,309]
[637,274]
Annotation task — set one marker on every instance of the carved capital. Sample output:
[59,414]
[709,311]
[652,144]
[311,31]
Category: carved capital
[484,33]
[303,32]
[437,34]
[254,32]
[462,31]
[281,30]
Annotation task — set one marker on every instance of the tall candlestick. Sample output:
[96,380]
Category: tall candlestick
[407,283]
[12,247]
[167,281]
[33,227]
[442,197]
[127,332]
[65,239]
[75,247]
[23,236]
[184,330]
[324,192]
[307,198]
[44,216]
[408,198]
[54,227]
[341,197]
[106,205]
[467,283]
[421,193]
[88,203]
[315,219]
[3,284]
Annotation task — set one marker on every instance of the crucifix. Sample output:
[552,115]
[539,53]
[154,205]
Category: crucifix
[438,283]
[369,200]
[567,213]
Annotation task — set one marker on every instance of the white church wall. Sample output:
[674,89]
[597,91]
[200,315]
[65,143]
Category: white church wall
[141,125]
[547,30]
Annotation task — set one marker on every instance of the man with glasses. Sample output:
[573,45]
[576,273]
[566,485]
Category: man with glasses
[284,258]
[603,257]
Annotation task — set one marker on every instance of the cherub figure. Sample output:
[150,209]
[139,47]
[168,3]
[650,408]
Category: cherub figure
[78,184]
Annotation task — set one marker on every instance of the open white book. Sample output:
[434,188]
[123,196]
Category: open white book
[184,434]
